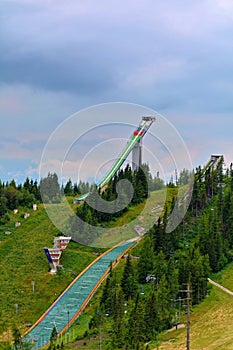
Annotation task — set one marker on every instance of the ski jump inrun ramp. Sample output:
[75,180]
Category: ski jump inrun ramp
[137,136]
[66,309]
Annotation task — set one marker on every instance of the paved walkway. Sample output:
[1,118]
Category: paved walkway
[221,287]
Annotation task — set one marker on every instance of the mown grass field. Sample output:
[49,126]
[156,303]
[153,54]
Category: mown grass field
[211,321]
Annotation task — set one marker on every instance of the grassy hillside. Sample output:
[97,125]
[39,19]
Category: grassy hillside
[143,215]
[22,260]
[211,321]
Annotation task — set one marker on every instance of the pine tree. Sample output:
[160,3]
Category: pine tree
[172,278]
[136,325]
[199,273]
[68,190]
[50,189]
[146,260]
[128,282]
[118,319]
[164,303]
[151,319]
[160,267]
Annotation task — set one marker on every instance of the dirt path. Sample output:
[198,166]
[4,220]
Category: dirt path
[221,287]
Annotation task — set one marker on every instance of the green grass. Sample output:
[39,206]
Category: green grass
[211,321]
[144,214]
[22,260]
[224,277]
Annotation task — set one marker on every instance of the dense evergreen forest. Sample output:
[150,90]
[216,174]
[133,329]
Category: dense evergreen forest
[144,297]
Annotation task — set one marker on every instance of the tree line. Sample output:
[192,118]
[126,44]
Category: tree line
[12,196]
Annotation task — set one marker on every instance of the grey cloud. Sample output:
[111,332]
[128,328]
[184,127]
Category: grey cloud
[69,74]
[95,50]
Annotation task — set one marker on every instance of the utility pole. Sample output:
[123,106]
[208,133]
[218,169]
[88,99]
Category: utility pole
[100,334]
[188,317]
[188,291]
[68,325]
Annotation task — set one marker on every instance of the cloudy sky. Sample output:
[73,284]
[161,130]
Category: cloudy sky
[57,57]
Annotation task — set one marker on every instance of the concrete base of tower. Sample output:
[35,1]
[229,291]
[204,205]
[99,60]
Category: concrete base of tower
[137,156]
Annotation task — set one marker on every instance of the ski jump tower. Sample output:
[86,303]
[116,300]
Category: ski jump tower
[134,145]
[137,150]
